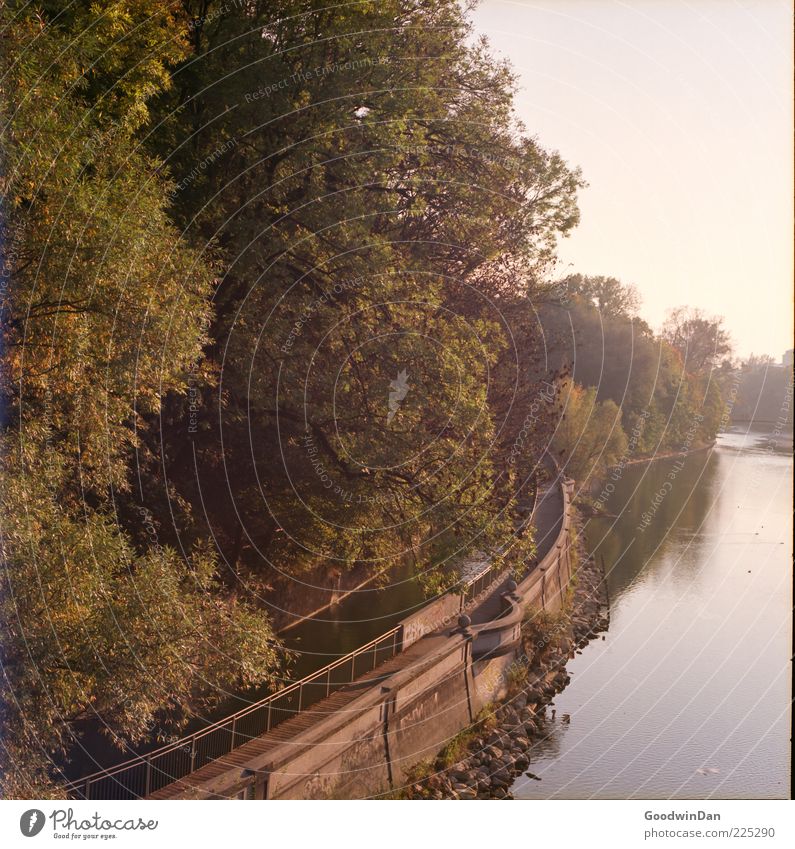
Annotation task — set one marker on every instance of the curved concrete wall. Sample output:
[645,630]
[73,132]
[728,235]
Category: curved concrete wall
[370,746]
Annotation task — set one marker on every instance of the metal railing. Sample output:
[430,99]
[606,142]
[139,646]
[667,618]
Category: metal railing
[145,774]
[475,585]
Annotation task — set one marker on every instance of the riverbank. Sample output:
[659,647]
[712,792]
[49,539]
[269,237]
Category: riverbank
[483,761]
[667,455]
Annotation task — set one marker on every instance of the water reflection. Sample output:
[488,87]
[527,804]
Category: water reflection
[659,506]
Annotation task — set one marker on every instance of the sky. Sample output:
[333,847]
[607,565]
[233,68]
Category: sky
[680,116]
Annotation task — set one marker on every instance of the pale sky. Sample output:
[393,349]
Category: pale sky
[680,116]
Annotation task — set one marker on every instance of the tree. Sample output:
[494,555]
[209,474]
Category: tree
[700,340]
[761,391]
[589,438]
[105,311]
[609,296]
[590,324]
[383,195]
[96,631]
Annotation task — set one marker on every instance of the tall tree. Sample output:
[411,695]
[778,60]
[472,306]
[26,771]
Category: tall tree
[589,438]
[700,340]
[379,210]
[105,311]
[611,297]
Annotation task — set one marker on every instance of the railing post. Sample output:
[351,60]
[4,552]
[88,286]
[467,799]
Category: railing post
[328,682]
[234,730]
[300,696]
[192,754]
[560,569]
[542,570]
[148,777]
[394,643]
[268,720]
[567,555]
[87,789]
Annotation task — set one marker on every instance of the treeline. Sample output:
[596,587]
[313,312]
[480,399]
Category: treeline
[265,301]
[761,393]
[632,393]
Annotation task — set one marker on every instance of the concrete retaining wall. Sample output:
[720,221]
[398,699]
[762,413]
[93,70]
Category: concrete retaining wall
[368,748]
[428,618]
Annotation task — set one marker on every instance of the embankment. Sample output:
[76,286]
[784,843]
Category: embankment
[484,760]
[368,741]
[667,455]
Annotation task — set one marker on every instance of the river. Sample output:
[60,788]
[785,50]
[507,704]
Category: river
[688,693]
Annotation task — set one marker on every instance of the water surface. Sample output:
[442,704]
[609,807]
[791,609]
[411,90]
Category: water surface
[688,695]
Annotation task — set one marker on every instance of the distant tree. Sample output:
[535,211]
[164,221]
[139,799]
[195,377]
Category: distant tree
[700,340]
[667,404]
[589,437]
[612,349]
[755,362]
[762,392]
[610,296]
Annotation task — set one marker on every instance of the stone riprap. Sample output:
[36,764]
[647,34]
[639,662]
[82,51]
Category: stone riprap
[501,748]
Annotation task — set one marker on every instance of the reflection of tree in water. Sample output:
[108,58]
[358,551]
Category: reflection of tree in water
[774,443]
[683,488]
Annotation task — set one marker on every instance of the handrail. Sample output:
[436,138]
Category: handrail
[510,618]
[188,744]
